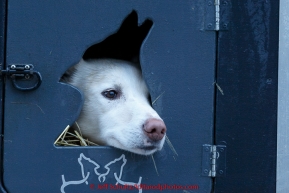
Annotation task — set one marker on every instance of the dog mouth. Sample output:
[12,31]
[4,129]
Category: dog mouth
[145,150]
[148,148]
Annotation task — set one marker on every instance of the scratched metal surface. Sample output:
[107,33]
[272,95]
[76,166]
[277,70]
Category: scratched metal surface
[246,115]
[177,60]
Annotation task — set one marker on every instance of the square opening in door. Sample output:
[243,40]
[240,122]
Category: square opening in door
[117,108]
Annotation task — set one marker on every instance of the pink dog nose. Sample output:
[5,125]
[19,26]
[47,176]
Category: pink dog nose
[155,129]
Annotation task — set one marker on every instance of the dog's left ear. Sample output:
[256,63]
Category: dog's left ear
[129,24]
[124,44]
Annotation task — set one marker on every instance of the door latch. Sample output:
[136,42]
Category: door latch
[22,72]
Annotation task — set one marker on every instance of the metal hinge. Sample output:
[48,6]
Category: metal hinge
[23,76]
[217,14]
[214,160]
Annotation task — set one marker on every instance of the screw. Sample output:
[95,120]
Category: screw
[27,76]
[13,66]
[222,149]
[209,25]
[221,172]
[207,149]
[225,25]
[27,67]
[206,171]
[210,3]
[225,3]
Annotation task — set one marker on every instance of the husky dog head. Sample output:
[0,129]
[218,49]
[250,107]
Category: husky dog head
[116,110]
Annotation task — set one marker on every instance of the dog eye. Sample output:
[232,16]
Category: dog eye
[110,94]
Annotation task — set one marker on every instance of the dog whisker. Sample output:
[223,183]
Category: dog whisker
[155,165]
[157,98]
[171,146]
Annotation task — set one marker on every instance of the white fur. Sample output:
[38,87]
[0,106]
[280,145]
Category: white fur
[119,122]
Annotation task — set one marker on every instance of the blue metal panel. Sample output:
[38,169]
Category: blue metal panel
[2,62]
[177,59]
[246,115]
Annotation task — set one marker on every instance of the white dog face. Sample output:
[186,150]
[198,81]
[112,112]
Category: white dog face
[116,109]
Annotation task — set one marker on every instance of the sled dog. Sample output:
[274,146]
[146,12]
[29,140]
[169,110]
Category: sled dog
[117,110]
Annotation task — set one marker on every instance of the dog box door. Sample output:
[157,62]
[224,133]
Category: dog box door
[177,59]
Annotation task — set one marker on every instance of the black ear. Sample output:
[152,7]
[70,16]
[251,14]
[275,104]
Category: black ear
[144,29]
[129,24]
[124,44]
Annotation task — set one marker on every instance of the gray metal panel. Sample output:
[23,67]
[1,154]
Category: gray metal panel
[177,59]
[283,104]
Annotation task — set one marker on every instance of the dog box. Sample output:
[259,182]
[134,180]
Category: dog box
[192,63]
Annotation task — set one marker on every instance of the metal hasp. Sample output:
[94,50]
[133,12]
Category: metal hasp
[217,15]
[214,160]
[22,72]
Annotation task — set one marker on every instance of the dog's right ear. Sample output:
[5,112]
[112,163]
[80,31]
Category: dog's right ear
[144,29]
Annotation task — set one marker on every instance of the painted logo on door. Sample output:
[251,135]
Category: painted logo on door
[95,168]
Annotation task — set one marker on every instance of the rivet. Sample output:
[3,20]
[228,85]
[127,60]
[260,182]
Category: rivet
[207,149]
[27,67]
[209,25]
[221,172]
[222,149]
[206,171]
[13,66]
[27,76]
[210,3]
